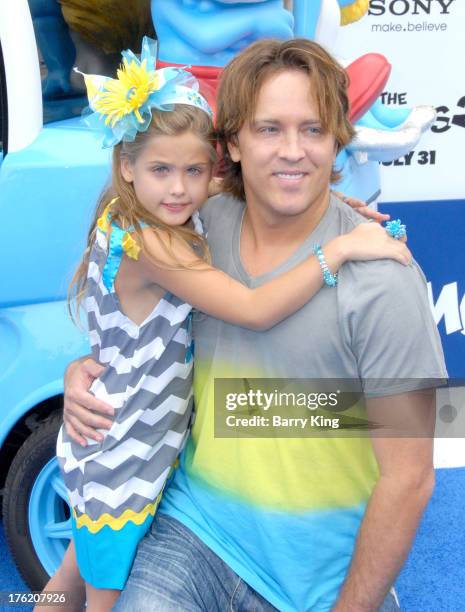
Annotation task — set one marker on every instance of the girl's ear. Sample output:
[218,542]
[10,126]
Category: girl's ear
[126,170]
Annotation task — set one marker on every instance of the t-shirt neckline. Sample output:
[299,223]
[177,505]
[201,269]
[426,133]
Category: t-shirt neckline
[302,251]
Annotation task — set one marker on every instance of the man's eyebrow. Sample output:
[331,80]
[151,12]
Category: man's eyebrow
[265,120]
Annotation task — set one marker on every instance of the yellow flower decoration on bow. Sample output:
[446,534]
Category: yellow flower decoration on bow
[127,93]
[122,107]
[130,246]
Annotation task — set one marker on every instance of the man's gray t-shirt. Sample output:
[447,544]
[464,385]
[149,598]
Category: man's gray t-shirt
[282,512]
[376,324]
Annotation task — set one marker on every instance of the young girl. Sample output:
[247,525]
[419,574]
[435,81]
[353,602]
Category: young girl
[145,267]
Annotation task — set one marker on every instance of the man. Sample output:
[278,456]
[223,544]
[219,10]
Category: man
[301,523]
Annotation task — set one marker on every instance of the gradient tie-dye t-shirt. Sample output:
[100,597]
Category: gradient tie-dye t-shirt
[284,513]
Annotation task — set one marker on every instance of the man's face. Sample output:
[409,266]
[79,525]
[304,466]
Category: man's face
[285,155]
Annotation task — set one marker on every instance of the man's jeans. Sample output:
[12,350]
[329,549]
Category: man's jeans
[175,571]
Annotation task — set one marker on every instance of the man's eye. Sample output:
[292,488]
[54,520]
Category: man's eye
[160,169]
[314,129]
[268,129]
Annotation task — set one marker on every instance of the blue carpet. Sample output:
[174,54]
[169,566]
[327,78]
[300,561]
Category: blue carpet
[10,580]
[433,578]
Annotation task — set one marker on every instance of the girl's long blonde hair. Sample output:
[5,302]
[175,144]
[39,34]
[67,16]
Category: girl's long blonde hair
[127,211]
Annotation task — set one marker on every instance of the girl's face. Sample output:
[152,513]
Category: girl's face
[170,176]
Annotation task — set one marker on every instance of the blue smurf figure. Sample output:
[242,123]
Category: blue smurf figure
[212,32]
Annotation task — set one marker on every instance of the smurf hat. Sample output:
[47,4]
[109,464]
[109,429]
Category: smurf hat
[122,107]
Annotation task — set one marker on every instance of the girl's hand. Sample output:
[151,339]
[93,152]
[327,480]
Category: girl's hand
[362,208]
[80,406]
[371,241]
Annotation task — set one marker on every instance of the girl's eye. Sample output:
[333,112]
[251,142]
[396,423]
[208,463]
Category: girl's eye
[194,171]
[314,129]
[160,169]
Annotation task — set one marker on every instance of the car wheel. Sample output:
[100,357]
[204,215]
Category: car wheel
[36,512]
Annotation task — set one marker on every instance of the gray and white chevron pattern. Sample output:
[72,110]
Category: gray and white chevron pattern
[149,383]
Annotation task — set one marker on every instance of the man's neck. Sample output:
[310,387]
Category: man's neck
[268,240]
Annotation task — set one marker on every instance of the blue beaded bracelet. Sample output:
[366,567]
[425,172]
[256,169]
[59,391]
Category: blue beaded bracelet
[329,278]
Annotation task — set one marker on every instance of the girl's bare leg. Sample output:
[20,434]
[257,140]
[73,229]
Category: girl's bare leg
[67,580]
[100,600]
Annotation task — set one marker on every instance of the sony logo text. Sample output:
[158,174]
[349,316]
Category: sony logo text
[410,7]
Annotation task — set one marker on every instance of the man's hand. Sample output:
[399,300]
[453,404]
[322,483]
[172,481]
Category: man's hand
[215,186]
[80,406]
[361,207]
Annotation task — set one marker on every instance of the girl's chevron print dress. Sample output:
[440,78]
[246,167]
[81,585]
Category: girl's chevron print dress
[114,486]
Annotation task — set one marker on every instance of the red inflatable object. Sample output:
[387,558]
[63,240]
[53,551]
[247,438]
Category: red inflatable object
[368,75]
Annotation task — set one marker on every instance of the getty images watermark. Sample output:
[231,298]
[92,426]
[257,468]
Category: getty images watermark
[256,398]
[264,407]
